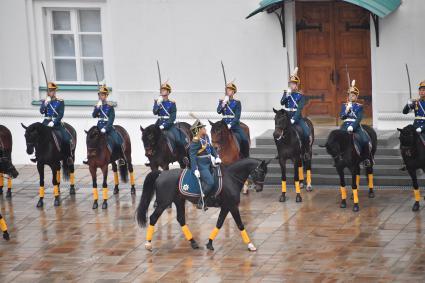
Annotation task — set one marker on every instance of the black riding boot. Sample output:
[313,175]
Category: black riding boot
[182,155]
[244,149]
[307,152]
[368,162]
[67,153]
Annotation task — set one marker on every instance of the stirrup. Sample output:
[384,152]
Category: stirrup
[86,161]
[367,163]
[121,162]
[34,160]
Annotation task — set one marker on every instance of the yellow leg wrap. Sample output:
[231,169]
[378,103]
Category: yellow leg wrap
[3,225]
[41,192]
[149,232]
[358,181]
[297,187]
[58,176]
[417,194]
[301,173]
[9,183]
[116,178]
[95,194]
[343,193]
[356,196]
[56,190]
[186,232]
[245,237]
[1,180]
[283,186]
[370,180]
[308,177]
[105,193]
[214,233]
[72,178]
[132,180]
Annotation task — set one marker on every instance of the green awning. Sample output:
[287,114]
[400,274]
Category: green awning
[380,8]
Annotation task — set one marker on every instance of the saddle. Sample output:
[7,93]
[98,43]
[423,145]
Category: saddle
[189,185]
[358,145]
[110,141]
[58,139]
[171,139]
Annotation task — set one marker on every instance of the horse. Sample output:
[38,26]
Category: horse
[157,148]
[6,166]
[227,145]
[99,156]
[290,146]
[41,139]
[412,150]
[165,185]
[340,145]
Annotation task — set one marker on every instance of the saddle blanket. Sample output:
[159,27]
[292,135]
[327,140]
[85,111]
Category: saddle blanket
[189,184]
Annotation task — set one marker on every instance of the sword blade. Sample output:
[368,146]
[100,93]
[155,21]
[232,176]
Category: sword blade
[408,79]
[159,74]
[224,74]
[45,75]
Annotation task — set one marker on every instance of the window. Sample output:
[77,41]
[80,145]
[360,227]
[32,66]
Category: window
[75,37]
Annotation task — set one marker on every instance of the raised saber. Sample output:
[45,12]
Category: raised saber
[288,63]
[45,76]
[408,79]
[224,75]
[97,78]
[159,74]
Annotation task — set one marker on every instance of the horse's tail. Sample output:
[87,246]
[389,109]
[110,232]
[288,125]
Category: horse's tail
[147,195]
[66,170]
[124,172]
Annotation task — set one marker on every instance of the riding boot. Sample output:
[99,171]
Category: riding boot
[368,162]
[244,149]
[307,152]
[182,155]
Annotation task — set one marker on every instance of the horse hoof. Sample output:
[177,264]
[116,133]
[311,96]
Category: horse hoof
[148,246]
[194,244]
[309,188]
[415,206]
[356,207]
[40,203]
[282,198]
[72,190]
[209,246]
[343,204]
[57,201]
[6,236]
[133,190]
[95,205]
[251,247]
[298,198]
[116,190]
[104,204]
[371,194]
[9,193]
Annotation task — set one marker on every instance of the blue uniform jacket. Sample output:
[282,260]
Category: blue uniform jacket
[231,111]
[199,152]
[106,115]
[166,111]
[294,104]
[353,117]
[53,111]
[419,108]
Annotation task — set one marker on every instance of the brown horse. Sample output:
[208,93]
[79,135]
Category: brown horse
[227,145]
[6,166]
[99,156]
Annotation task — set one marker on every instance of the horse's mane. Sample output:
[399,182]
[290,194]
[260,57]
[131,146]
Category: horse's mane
[339,136]
[232,168]
[218,125]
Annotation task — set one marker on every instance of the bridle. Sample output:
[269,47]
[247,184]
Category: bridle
[283,133]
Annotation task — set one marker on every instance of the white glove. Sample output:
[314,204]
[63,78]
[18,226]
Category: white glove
[226,99]
[99,104]
[103,130]
[350,129]
[418,130]
[161,127]
[288,91]
[229,126]
[160,99]
[292,121]
[218,160]
[348,107]
[197,174]
[51,124]
[410,102]
[47,100]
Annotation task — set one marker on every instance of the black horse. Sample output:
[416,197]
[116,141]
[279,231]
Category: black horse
[6,166]
[40,138]
[157,149]
[340,145]
[413,152]
[290,146]
[165,185]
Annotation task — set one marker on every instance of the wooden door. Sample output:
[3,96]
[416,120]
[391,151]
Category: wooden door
[330,35]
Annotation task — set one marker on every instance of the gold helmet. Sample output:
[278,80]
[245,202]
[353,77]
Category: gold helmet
[52,86]
[232,86]
[353,88]
[104,89]
[293,78]
[166,86]
[196,126]
[421,84]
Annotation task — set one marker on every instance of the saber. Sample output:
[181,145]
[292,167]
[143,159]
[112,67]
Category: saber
[97,78]
[45,76]
[224,74]
[159,74]
[408,79]
[288,63]
[348,79]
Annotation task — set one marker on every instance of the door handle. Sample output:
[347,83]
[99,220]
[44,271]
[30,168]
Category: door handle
[332,77]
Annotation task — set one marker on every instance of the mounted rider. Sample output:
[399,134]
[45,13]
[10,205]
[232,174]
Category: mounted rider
[53,109]
[231,109]
[352,115]
[418,106]
[105,113]
[166,110]
[293,102]
[202,157]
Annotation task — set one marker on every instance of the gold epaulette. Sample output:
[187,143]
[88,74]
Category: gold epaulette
[110,103]
[195,139]
[202,149]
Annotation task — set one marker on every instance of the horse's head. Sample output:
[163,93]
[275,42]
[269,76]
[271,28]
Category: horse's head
[93,140]
[407,136]
[259,175]
[6,165]
[282,122]
[32,136]
[150,138]
[219,133]
[337,144]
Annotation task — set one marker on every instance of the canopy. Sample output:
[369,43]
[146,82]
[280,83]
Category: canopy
[380,8]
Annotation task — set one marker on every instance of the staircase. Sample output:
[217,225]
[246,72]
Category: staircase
[386,170]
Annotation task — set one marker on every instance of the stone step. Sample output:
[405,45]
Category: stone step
[271,149]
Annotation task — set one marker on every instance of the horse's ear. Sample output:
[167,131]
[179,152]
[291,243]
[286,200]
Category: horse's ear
[211,123]
[23,126]
[141,129]
[275,111]
[86,132]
